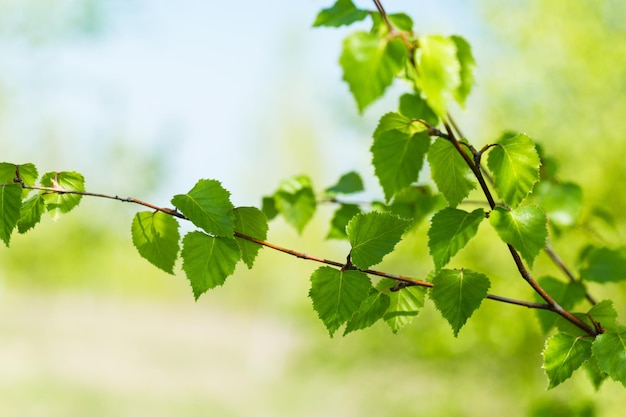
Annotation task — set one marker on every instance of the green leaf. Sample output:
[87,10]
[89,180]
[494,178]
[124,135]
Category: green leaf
[566,294]
[343,12]
[31,212]
[208,260]
[563,202]
[60,203]
[594,372]
[348,184]
[415,203]
[28,174]
[268,206]
[401,21]
[337,295]
[369,64]
[610,350]
[295,200]
[396,121]
[398,159]
[450,172]
[405,304]
[604,314]
[370,311]
[604,265]
[415,107]
[155,235]
[563,354]
[457,293]
[514,164]
[450,230]
[340,221]
[372,236]
[10,204]
[439,71]
[250,221]
[466,60]
[208,206]
[525,228]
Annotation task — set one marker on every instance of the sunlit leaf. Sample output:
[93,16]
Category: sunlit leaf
[524,228]
[155,235]
[439,70]
[563,354]
[450,172]
[450,230]
[457,293]
[563,202]
[31,212]
[514,164]
[250,221]
[605,315]
[372,236]
[370,311]
[415,107]
[398,158]
[343,12]
[59,203]
[369,64]
[466,60]
[405,304]
[610,351]
[208,260]
[208,206]
[337,295]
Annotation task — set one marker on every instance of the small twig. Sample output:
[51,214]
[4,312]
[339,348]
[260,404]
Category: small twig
[383,15]
[561,265]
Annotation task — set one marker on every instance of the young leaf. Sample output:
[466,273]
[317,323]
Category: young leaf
[340,221]
[566,294]
[450,172]
[398,158]
[337,295]
[10,204]
[252,222]
[414,107]
[515,166]
[457,293]
[343,12]
[268,206]
[31,212]
[369,64]
[610,350]
[450,230]
[594,372]
[372,236]
[370,311]
[208,260]
[405,304]
[208,206]
[563,354]
[397,121]
[401,21]
[59,203]
[295,200]
[466,60]
[604,265]
[439,71]
[155,235]
[348,184]
[525,228]
[7,173]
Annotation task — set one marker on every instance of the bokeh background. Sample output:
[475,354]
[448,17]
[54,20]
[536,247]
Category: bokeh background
[146,97]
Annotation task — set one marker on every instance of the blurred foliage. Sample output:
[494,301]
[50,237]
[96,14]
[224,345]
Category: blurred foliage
[556,73]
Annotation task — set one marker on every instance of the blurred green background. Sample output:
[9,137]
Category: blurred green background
[145,97]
